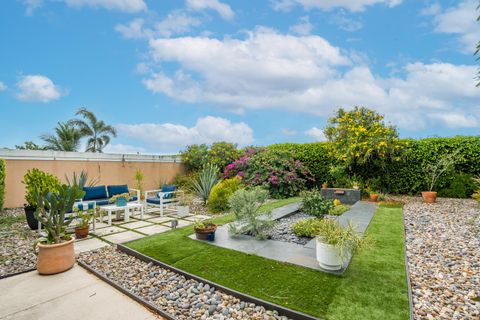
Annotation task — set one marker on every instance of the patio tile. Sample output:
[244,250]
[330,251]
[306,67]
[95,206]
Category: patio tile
[184,223]
[153,229]
[108,230]
[136,224]
[147,216]
[161,219]
[123,237]
[197,217]
[89,244]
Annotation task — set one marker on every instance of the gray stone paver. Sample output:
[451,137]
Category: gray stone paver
[108,230]
[74,294]
[153,229]
[88,244]
[360,216]
[136,224]
[123,237]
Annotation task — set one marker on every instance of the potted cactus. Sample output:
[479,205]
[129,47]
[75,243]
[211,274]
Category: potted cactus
[55,248]
[83,218]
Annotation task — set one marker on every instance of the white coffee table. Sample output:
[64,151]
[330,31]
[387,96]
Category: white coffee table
[130,207]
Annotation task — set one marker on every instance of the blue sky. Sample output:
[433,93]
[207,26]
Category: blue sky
[172,73]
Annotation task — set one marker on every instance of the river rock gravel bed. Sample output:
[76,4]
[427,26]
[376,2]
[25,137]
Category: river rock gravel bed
[443,249]
[183,298]
[16,243]
[282,229]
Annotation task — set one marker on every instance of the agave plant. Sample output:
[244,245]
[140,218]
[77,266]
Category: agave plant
[51,211]
[207,178]
[81,180]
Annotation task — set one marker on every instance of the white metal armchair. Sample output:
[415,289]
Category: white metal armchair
[164,200]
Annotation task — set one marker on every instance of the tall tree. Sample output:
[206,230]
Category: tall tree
[29,145]
[66,138]
[97,132]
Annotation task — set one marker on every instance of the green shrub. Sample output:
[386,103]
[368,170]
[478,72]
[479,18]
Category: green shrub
[36,179]
[194,157]
[245,205]
[3,174]
[306,227]
[461,186]
[185,181]
[221,193]
[222,153]
[338,210]
[314,204]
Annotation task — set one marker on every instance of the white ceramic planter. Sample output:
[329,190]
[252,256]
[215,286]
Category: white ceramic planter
[328,256]
[183,210]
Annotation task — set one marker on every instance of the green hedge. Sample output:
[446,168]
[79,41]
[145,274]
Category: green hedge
[406,176]
[3,174]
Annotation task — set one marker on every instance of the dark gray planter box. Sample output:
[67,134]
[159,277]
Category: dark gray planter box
[346,196]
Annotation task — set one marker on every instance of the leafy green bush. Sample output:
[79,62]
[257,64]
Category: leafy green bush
[306,227]
[194,157]
[35,179]
[185,181]
[314,204]
[3,174]
[338,210]
[207,178]
[222,153]
[245,204]
[461,186]
[221,193]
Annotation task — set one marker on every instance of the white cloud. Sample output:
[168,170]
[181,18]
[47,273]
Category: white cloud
[3,86]
[303,27]
[456,119]
[221,8]
[460,20]
[134,30]
[123,149]
[288,132]
[316,133]
[351,5]
[344,22]
[129,6]
[173,137]
[306,74]
[37,88]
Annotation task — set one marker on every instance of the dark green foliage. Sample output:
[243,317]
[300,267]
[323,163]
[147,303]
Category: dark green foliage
[402,177]
[461,186]
[222,153]
[3,174]
[314,204]
[194,157]
[29,145]
[66,138]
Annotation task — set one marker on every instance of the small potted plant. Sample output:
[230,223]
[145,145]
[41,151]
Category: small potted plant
[325,185]
[336,244]
[355,185]
[55,248]
[83,219]
[434,171]
[183,206]
[204,229]
[120,200]
[373,196]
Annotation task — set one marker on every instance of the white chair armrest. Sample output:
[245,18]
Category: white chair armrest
[137,193]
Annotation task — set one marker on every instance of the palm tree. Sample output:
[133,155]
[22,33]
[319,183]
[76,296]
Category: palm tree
[66,138]
[98,133]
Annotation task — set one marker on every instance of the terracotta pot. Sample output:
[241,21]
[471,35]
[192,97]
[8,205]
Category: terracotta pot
[55,258]
[374,197]
[429,196]
[324,186]
[202,234]
[81,232]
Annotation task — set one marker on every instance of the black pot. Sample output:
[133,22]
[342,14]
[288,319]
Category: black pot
[29,213]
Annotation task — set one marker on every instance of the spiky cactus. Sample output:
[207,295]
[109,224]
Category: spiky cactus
[52,209]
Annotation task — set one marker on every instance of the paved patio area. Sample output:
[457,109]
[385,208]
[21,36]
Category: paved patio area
[74,294]
[137,228]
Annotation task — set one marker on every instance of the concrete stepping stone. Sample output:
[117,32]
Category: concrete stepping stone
[123,237]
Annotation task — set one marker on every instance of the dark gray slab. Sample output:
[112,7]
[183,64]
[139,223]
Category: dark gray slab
[347,196]
[359,215]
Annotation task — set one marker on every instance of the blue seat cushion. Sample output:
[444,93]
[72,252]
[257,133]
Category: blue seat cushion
[117,189]
[87,207]
[93,193]
[102,202]
[168,188]
[155,200]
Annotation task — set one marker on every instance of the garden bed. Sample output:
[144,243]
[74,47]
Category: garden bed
[16,243]
[282,229]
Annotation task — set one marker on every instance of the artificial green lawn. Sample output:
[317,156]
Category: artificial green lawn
[374,286]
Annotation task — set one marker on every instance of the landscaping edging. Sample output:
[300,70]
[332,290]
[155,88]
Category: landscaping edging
[244,297]
[407,271]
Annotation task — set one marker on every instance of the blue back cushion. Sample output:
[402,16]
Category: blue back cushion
[97,192]
[114,190]
[168,188]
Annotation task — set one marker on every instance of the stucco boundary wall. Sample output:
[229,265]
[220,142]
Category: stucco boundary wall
[107,168]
